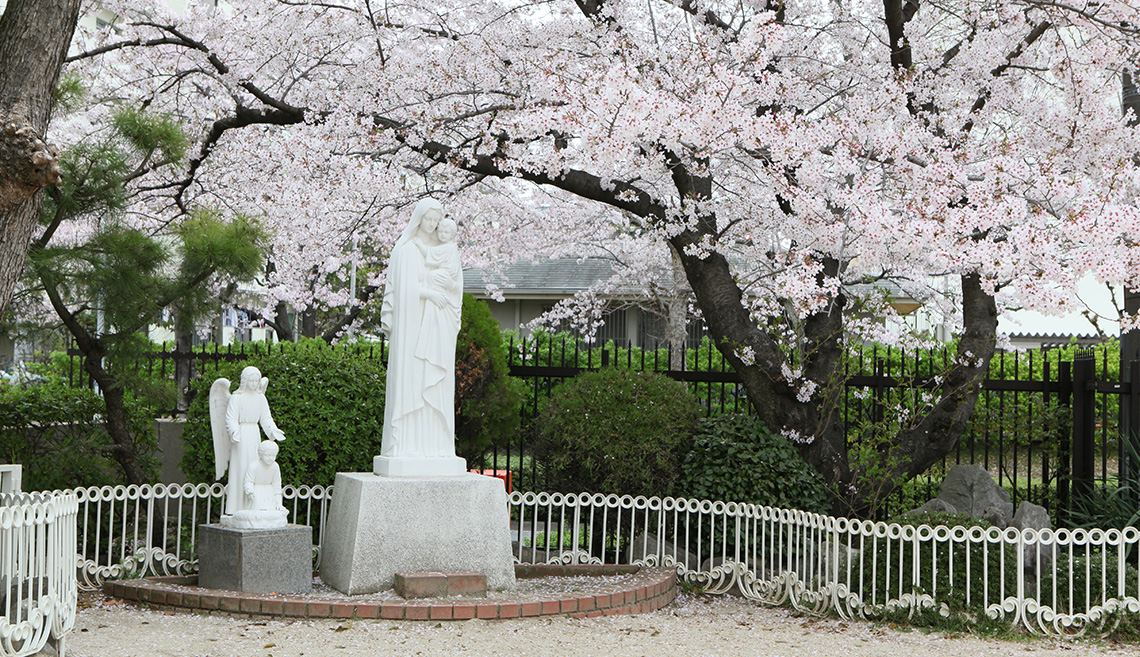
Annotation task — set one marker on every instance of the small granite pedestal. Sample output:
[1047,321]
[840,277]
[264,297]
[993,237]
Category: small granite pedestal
[379,526]
[256,560]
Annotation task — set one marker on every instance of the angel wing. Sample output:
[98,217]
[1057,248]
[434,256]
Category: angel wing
[219,400]
[264,384]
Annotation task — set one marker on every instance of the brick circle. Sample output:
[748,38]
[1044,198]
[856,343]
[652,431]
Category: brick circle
[647,590]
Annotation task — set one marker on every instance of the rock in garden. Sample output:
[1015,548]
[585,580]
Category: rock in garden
[971,490]
[995,517]
[1032,516]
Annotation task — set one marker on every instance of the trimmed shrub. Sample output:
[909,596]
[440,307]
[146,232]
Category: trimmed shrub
[56,432]
[329,401]
[487,398]
[737,458]
[616,431]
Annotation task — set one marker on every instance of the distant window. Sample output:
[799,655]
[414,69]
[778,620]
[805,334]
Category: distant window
[614,329]
[653,328]
[107,21]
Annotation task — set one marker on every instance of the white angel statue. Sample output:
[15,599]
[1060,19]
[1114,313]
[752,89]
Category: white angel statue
[233,421]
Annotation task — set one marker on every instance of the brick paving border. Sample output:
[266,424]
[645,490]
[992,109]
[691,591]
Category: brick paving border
[648,590]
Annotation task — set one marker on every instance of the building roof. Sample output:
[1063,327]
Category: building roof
[546,278]
[1056,339]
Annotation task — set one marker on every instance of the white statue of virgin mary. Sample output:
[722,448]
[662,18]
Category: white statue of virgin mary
[420,315]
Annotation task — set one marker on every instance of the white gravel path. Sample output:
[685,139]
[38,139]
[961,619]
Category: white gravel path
[704,625]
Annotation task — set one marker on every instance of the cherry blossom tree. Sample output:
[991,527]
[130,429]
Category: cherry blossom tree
[784,151]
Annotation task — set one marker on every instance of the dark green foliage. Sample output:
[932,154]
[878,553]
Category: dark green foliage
[616,431]
[56,433]
[737,458]
[990,569]
[211,244]
[91,182]
[487,399]
[1092,572]
[70,92]
[127,274]
[329,401]
[152,134]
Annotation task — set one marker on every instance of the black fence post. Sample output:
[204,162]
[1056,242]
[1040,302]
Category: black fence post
[1130,426]
[1065,385]
[878,396]
[1084,425]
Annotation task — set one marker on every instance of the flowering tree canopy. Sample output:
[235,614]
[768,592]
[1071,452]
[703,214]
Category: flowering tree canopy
[781,151]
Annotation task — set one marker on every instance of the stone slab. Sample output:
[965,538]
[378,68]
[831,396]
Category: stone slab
[256,560]
[407,466]
[438,585]
[379,526]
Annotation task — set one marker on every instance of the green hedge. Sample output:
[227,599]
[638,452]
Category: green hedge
[57,434]
[487,398]
[329,401]
[616,431]
[737,458]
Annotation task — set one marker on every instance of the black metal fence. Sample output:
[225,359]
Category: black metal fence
[1047,424]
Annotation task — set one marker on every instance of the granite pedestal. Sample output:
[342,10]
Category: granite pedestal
[378,526]
[256,560]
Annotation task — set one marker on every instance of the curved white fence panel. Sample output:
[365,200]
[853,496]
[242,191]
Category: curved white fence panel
[136,531]
[38,592]
[1054,582]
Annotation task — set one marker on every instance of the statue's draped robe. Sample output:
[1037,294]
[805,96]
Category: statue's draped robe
[246,409]
[419,408]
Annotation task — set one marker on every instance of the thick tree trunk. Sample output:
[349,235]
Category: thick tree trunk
[676,332]
[925,443]
[183,366]
[34,37]
[309,323]
[123,449]
[815,422]
[283,323]
[1130,340]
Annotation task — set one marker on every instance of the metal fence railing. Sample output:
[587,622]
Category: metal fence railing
[1050,582]
[38,591]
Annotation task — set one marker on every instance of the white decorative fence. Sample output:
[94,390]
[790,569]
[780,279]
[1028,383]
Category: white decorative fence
[1053,582]
[37,570]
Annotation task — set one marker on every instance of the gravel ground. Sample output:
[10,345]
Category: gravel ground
[704,625]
